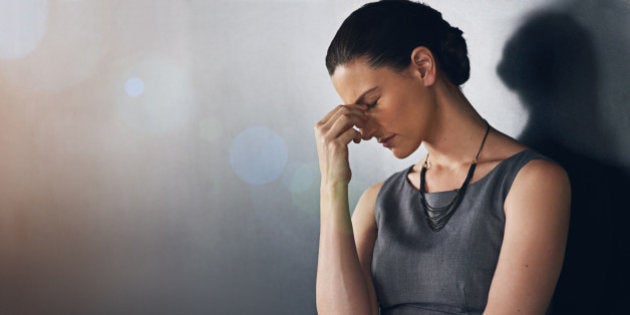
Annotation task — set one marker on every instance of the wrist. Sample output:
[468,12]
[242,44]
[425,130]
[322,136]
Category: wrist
[333,186]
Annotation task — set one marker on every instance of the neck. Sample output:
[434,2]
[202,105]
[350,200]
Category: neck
[457,132]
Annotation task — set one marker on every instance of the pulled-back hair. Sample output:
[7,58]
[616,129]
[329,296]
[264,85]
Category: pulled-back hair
[386,32]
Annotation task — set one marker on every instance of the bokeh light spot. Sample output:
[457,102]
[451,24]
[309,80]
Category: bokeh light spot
[134,87]
[157,97]
[306,201]
[22,26]
[258,155]
[300,178]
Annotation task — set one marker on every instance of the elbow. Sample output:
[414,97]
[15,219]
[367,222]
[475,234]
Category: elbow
[325,307]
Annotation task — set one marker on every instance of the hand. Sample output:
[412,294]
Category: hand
[333,133]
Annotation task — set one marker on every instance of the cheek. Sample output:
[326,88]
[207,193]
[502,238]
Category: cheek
[406,117]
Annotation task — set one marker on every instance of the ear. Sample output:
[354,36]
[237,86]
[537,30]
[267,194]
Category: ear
[424,65]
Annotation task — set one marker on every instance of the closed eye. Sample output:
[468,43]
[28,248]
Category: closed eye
[372,104]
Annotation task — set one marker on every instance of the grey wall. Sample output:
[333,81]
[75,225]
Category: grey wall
[157,157]
[568,65]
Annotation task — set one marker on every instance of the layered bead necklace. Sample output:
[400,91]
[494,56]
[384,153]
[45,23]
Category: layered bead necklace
[438,216]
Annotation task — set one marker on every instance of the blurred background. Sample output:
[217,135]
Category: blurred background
[158,157]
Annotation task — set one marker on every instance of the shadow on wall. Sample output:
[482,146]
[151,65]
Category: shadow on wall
[551,62]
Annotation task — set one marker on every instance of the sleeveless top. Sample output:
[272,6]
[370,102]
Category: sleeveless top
[418,271]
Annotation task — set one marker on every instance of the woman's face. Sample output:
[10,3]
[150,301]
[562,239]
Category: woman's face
[400,106]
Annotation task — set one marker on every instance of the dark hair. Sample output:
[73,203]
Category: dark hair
[386,32]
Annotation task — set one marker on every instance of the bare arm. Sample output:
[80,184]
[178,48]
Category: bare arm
[365,233]
[341,286]
[344,281]
[537,223]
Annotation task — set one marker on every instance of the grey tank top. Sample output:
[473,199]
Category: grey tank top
[417,271]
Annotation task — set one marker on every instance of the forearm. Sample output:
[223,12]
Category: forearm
[341,287]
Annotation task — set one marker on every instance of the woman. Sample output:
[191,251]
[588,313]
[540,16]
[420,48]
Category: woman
[478,226]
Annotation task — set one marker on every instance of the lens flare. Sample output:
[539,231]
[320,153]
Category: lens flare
[22,26]
[158,96]
[134,87]
[258,155]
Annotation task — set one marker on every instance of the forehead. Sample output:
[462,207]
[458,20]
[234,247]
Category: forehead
[353,78]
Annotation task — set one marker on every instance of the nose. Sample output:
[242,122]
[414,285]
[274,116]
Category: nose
[367,130]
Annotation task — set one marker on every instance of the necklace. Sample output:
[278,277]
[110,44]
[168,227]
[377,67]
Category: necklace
[438,216]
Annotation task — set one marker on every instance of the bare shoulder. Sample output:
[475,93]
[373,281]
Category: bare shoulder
[365,232]
[540,176]
[537,221]
[364,223]
[539,182]
[364,227]
[370,193]
[543,168]
[365,207]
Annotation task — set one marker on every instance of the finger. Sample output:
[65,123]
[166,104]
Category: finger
[342,109]
[330,114]
[343,118]
[345,122]
[361,107]
[341,121]
[358,137]
[350,135]
[324,125]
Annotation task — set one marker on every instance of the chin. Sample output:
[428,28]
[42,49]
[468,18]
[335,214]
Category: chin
[404,149]
[401,154]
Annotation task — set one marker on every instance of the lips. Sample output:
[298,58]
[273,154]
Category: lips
[386,141]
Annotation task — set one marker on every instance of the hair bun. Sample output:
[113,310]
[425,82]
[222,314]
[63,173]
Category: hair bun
[455,61]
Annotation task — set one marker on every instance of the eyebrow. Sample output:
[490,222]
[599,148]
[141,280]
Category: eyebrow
[360,98]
